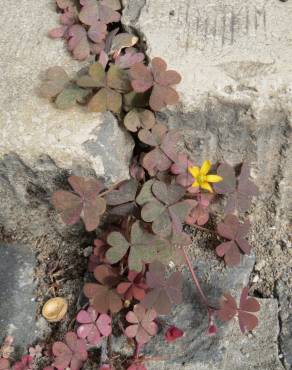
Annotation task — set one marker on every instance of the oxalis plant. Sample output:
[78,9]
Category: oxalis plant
[138,256]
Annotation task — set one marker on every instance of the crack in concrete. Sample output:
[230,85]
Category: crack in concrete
[134,8]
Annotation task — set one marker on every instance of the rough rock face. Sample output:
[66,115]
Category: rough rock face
[18,306]
[228,349]
[30,125]
[35,242]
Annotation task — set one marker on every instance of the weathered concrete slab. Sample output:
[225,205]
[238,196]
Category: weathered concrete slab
[30,125]
[17,298]
[218,43]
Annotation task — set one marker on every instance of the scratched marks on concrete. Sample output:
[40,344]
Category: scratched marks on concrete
[212,25]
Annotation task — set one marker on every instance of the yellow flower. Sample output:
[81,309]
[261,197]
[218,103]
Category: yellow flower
[202,178]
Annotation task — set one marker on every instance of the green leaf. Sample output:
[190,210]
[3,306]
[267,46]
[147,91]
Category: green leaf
[145,194]
[68,97]
[126,193]
[119,246]
[54,82]
[152,210]
[106,99]
[95,78]
[118,79]
[139,118]
[181,210]
[168,194]
[162,225]
[139,253]
[135,100]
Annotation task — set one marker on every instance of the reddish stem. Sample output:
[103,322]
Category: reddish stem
[137,350]
[196,281]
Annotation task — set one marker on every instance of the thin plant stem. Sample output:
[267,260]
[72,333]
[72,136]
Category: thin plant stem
[137,350]
[111,188]
[195,279]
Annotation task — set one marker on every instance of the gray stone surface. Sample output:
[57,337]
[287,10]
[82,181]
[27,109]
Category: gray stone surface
[25,192]
[229,349]
[17,296]
[31,126]
[283,289]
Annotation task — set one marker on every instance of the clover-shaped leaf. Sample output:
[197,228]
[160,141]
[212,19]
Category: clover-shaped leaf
[110,85]
[71,354]
[228,310]
[143,247]
[93,326]
[164,291]
[180,169]
[135,287]
[84,203]
[68,17]
[82,41]
[145,194]
[129,58]
[139,118]
[105,11]
[103,297]
[98,255]
[25,363]
[167,211]
[199,213]
[136,170]
[133,100]
[123,199]
[71,95]
[55,81]
[78,42]
[159,79]
[143,326]
[164,152]
[97,32]
[235,232]
[240,190]
[4,364]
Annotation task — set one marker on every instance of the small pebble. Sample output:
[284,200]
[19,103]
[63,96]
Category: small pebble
[260,265]
[87,251]
[256,279]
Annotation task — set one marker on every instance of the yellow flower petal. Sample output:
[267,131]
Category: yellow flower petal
[194,171]
[205,168]
[195,184]
[207,186]
[213,178]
